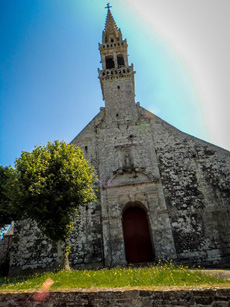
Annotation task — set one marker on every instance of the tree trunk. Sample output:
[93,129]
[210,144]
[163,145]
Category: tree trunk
[63,256]
[66,263]
[66,259]
[60,252]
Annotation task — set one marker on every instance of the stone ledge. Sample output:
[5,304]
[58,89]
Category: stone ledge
[144,296]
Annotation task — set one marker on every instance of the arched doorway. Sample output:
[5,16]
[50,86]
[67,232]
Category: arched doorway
[138,245]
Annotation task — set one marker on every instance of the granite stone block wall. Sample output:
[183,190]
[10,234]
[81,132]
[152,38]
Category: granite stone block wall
[31,251]
[196,182]
[139,298]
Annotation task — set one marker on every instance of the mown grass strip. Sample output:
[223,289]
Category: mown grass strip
[161,275]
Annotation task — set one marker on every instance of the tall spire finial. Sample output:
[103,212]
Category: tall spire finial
[108,6]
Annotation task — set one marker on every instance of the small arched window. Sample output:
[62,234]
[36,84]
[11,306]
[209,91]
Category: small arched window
[109,62]
[120,60]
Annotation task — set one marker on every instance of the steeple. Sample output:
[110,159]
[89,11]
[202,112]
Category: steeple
[111,32]
[116,76]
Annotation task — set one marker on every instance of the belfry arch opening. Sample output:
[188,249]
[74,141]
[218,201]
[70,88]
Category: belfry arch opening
[120,61]
[137,239]
[109,62]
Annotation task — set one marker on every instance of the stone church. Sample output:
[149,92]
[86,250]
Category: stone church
[162,194]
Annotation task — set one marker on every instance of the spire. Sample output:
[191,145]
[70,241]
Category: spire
[110,25]
[111,30]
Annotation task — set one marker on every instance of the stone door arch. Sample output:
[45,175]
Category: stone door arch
[137,239]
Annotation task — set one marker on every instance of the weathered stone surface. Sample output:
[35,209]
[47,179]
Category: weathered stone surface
[206,297]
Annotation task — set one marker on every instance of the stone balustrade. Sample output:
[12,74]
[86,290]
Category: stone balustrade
[115,72]
[112,45]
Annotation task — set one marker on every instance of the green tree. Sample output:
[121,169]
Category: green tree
[48,185]
[6,216]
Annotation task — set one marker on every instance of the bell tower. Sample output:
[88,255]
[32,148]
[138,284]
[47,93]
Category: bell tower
[116,76]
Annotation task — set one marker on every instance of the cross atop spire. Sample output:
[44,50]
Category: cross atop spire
[108,6]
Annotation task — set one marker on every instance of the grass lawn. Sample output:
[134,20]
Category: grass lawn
[161,275]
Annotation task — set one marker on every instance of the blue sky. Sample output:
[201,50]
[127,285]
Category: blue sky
[49,87]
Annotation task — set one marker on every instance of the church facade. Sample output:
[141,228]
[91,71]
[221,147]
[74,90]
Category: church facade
[162,194]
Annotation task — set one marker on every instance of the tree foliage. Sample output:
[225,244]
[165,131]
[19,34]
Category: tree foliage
[6,215]
[49,184]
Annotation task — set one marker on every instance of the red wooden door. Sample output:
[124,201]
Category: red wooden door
[138,246]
